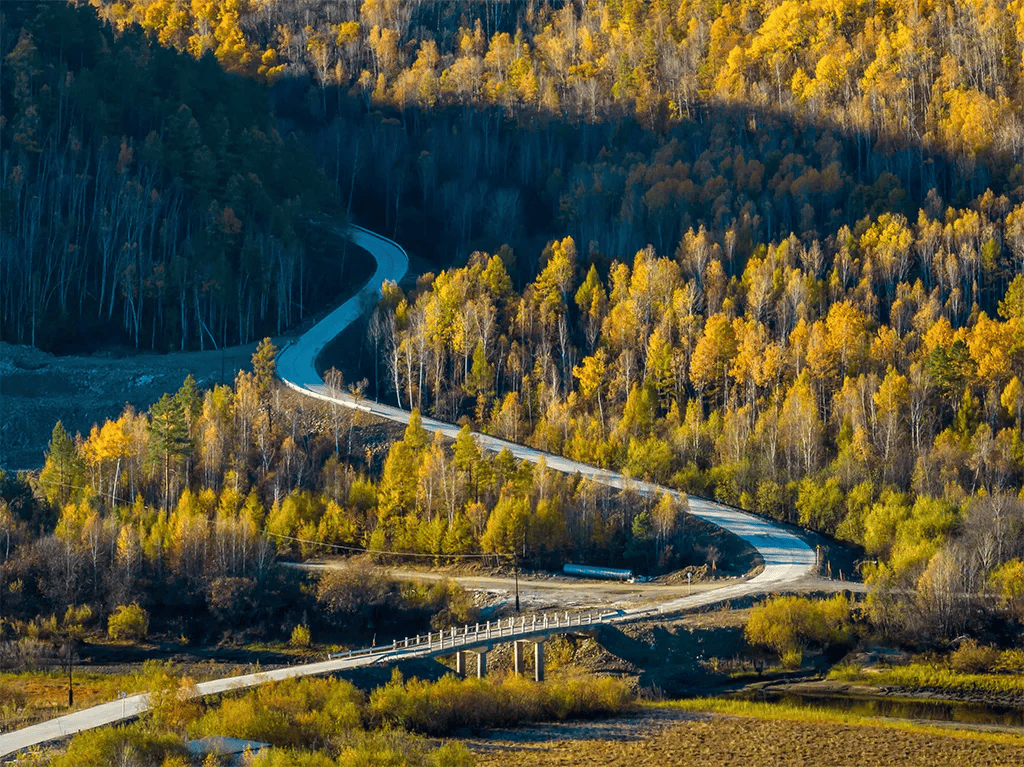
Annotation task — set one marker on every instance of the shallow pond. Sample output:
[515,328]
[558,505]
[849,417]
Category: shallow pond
[898,708]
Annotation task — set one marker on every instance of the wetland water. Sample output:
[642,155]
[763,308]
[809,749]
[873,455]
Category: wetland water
[900,708]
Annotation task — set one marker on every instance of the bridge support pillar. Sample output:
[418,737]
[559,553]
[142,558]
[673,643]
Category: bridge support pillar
[538,661]
[517,658]
[481,665]
[460,663]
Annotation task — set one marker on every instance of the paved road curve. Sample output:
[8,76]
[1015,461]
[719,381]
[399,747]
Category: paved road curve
[786,557]
[297,363]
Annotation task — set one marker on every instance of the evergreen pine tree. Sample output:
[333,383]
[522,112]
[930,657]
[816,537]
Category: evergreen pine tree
[168,431]
[63,475]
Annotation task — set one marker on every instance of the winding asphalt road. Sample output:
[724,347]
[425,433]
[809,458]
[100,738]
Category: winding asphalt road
[787,558]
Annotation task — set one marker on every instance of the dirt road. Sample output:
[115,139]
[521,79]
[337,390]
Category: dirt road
[553,591]
[561,592]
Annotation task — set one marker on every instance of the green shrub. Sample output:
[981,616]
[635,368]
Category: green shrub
[787,625]
[452,755]
[390,748]
[792,658]
[844,672]
[291,713]
[174,702]
[122,745]
[281,757]
[300,637]
[972,658]
[451,703]
[128,623]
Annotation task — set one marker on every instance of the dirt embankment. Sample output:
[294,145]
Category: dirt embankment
[38,389]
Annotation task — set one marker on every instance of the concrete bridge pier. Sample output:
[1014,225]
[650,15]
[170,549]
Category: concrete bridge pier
[460,663]
[519,661]
[481,664]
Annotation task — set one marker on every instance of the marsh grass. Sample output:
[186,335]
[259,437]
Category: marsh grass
[927,676]
[813,715]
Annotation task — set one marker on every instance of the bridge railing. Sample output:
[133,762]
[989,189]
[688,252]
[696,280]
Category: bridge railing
[480,633]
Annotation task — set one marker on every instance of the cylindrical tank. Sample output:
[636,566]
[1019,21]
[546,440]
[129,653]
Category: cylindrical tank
[605,573]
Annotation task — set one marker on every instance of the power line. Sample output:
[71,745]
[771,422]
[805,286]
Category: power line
[379,551]
[338,546]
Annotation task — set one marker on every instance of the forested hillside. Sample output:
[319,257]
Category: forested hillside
[625,123]
[463,126]
[943,74]
[767,252]
[850,390]
[147,197]
[183,510]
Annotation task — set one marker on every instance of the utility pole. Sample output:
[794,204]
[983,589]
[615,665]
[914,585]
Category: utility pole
[71,660]
[515,574]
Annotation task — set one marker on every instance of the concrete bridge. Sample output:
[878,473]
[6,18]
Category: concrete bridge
[479,639]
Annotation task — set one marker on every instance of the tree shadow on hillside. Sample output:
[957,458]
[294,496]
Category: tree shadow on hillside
[457,179]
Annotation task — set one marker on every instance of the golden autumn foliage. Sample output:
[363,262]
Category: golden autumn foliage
[947,73]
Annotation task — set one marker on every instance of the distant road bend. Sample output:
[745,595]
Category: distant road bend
[787,558]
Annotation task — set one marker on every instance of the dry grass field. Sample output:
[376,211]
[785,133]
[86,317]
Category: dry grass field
[670,738]
[31,697]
